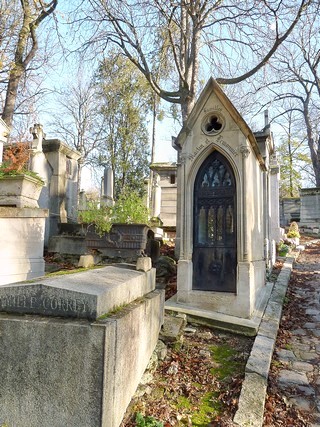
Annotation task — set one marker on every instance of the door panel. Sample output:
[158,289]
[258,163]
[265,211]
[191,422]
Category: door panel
[214,236]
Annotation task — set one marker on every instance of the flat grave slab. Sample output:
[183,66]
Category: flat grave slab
[86,295]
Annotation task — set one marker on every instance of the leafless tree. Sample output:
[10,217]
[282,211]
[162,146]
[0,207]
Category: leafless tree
[297,69]
[234,39]
[78,122]
[19,22]
[292,150]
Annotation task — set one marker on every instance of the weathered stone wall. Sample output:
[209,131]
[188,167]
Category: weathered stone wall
[165,194]
[62,164]
[75,373]
[124,241]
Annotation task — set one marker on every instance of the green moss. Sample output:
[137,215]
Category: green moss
[177,346]
[286,300]
[76,270]
[64,272]
[226,366]
[158,393]
[277,363]
[15,173]
[209,408]
[197,385]
[183,402]
[112,312]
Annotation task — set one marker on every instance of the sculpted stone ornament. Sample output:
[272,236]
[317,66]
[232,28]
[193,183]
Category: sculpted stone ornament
[245,151]
[213,123]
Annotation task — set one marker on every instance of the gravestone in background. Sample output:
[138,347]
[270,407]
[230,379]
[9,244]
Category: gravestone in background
[310,207]
[57,163]
[290,208]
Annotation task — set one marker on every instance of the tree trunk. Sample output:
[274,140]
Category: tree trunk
[313,145]
[19,67]
[11,95]
[316,164]
[25,50]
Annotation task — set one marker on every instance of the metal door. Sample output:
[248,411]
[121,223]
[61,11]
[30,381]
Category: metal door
[214,235]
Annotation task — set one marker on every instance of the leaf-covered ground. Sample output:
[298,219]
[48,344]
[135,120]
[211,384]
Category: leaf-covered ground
[199,382]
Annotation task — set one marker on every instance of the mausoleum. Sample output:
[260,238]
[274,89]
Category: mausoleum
[227,208]
[164,200]
[58,165]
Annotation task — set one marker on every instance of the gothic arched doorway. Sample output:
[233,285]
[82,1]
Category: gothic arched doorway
[214,231]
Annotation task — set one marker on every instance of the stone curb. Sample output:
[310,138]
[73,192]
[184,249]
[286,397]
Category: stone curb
[253,392]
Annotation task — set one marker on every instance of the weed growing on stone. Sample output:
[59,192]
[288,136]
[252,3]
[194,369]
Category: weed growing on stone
[114,311]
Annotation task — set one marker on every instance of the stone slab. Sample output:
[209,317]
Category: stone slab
[136,328]
[22,238]
[260,358]
[273,311]
[86,261]
[289,378]
[87,295]
[251,403]
[223,321]
[172,329]
[144,264]
[10,212]
[67,245]
[269,328]
[302,366]
[18,269]
[286,355]
[252,398]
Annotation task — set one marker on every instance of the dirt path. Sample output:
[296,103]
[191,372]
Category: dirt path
[293,396]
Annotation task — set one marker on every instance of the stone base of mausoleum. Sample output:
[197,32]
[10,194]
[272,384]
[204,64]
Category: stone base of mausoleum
[203,314]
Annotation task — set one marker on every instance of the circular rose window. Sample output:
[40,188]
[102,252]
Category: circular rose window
[213,123]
